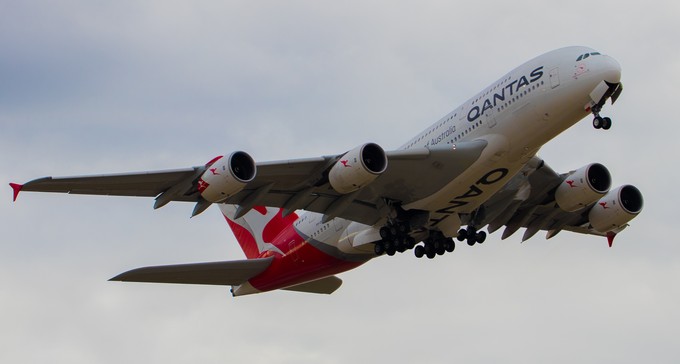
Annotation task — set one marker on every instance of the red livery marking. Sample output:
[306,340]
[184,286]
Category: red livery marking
[212,161]
[202,185]
[17,188]
[604,205]
[214,171]
[245,239]
[344,163]
[261,209]
[610,238]
[571,184]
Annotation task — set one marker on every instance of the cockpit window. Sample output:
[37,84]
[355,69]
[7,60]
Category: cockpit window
[584,56]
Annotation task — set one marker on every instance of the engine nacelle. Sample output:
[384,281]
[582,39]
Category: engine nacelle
[357,168]
[583,187]
[225,177]
[615,209]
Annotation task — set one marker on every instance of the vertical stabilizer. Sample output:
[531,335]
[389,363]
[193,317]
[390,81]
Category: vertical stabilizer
[258,229]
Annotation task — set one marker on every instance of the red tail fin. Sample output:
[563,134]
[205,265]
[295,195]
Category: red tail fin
[257,230]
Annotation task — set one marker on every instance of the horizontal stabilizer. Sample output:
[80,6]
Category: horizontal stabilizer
[326,285]
[231,273]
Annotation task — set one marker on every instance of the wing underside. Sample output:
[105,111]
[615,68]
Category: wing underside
[528,201]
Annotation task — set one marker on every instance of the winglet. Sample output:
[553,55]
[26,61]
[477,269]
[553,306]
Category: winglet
[610,238]
[17,188]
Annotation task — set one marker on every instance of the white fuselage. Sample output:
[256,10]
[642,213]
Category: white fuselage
[516,115]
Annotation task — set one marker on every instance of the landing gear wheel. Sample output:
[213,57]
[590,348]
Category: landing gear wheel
[598,122]
[429,251]
[450,245]
[385,232]
[606,123]
[462,234]
[401,246]
[379,249]
[437,244]
[390,249]
[419,251]
[481,237]
[471,236]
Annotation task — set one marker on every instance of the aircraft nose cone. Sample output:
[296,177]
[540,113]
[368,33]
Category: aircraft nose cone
[611,69]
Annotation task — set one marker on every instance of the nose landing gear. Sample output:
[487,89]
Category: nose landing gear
[606,91]
[600,122]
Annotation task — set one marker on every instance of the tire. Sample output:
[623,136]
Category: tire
[429,251]
[436,244]
[450,246]
[379,249]
[471,240]
[401,246]
[481,237]
[606,123]
[597,122]
[462,235]
[419,251]
[385,232]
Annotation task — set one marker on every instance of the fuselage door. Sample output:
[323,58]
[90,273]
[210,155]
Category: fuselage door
[490,118]
[554,77]
[293,250]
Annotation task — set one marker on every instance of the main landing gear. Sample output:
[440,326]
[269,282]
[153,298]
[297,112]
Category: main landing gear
[471,235]
[435,244]
[395,239]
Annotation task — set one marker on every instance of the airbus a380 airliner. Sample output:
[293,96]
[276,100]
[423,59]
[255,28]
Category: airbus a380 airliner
[476,167]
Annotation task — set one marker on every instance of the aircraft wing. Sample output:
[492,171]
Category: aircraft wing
[143,184]
[290,184]
[528,201]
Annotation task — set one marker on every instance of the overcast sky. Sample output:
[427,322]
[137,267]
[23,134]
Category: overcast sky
[92,87]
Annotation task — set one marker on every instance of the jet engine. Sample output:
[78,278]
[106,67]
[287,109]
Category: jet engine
[616,208]
[583,187]
[225,177]
[357,168]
